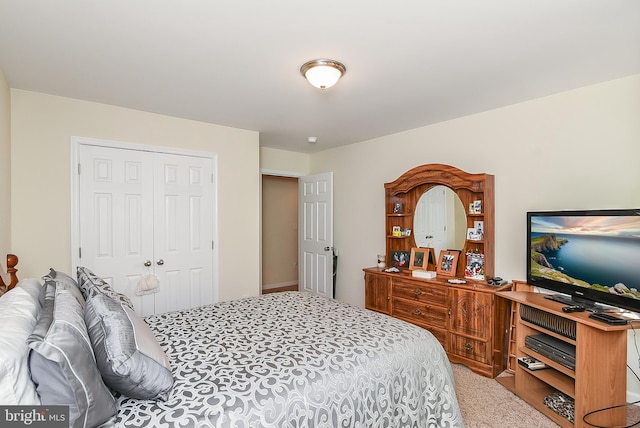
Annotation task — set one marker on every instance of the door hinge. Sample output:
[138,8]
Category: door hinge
[211,178]
[79,252]
[213,246]
[78,169]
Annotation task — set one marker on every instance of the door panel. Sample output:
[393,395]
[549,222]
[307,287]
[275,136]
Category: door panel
[184,230]
[115,205]
[316,236]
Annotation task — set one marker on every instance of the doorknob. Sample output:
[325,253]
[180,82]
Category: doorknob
[328,248]
[160,262]
[147,263]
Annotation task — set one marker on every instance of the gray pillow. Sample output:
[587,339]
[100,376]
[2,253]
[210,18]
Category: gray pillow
[128,354]
[62,363]
[62,278]
[88,280]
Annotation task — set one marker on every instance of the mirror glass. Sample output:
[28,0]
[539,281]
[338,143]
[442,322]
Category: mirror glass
[440,220]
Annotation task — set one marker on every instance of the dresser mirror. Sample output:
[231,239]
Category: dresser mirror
[440,220]
[465,204]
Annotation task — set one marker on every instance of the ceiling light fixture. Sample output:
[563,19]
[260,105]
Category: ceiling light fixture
[323,73]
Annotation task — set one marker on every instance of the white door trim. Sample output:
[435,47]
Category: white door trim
[76,142]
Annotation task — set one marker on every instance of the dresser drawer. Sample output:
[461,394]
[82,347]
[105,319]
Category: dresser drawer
[420,313]
[420,292]
[468,348]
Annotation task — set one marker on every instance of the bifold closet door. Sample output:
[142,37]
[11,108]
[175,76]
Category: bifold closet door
[183,236]
[146,213]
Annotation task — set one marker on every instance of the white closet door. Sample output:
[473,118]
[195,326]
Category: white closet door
[183,231]
[137,206]
[116,217]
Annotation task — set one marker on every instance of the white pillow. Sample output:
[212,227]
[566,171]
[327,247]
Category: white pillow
[19,310]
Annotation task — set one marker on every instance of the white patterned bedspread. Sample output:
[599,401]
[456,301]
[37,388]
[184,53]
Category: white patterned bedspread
[297,360]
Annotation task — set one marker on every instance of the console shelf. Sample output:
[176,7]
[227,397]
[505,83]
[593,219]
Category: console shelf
[599,379]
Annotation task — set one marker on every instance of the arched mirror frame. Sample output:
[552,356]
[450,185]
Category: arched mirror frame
[409,187]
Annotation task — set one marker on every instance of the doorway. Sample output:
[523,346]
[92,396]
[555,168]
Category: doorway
[279,233]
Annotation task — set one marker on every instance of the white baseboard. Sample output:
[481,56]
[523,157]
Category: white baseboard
[278,285]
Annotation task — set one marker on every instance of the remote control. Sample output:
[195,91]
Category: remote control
[573,308]
[609,319]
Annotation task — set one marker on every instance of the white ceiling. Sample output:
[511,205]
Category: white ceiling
[410,63]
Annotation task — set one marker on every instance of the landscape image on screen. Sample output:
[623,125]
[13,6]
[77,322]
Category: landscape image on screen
[597,252]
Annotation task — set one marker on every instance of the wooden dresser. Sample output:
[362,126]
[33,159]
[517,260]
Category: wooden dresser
[469,320]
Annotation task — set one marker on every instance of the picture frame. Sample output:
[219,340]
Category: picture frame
[447,263]
[397,208]
[474,268]
[478,225]
[400,259]
[477,206]
[418,260]
[422,258]
[473,235]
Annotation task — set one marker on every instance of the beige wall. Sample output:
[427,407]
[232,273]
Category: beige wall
[283,161]
[5,170]
[42,126]
[577,149]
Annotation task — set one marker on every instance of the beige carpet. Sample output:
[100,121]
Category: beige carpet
[487,404]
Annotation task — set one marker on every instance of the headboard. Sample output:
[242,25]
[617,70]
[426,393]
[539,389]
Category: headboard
[9,279]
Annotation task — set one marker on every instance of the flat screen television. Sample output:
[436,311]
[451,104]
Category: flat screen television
[591,257]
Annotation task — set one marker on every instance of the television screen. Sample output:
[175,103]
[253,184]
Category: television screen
[592,255]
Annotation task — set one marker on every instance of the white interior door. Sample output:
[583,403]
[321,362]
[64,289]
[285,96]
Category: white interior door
[139,208]
[316,234]
[183,243]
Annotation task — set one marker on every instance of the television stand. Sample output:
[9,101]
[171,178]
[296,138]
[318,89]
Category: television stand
[599,380]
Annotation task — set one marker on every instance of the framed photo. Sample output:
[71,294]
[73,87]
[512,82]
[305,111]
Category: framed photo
[475,266]
[397,208]
[447,263]
[400,259]
[479,227]
[418,260]
[477,206]
[422,258]
[473,235]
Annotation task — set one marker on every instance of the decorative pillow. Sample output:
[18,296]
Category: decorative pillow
[69,283]
[62,363]
[88,280]
[128,355]
[19,310]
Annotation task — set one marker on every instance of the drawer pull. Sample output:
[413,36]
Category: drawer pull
[468,346]
[417,292]
[417,312]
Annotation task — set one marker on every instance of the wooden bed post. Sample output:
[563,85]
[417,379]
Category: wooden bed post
[12,261]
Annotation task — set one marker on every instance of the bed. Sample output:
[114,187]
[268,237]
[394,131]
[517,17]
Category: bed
[291,359]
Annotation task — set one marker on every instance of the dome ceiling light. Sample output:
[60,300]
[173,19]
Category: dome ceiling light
[323,73]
